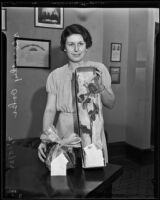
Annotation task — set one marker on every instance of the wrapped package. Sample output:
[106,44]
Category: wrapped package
[59,151]
[90,116]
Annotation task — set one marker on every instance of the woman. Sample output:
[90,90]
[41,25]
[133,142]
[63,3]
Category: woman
[75,41]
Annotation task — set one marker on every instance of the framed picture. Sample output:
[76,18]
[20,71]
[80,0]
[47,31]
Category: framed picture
[31,53]
[116,52]
[115,74]
[4,16]
[49,17]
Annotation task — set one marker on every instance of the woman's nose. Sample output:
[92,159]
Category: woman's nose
[76,47]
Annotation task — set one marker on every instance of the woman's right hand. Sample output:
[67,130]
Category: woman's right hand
[41,151]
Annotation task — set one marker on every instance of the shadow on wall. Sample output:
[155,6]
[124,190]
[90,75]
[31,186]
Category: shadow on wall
[58,58]
[38,104]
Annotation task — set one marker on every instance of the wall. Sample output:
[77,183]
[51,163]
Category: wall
[140,77]
[116,23]
[31,96]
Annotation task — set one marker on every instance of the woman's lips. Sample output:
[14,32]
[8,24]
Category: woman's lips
[76,55]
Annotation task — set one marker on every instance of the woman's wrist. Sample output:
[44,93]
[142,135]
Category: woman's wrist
[43,133]
[43,142]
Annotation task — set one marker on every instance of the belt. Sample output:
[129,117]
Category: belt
[68,113]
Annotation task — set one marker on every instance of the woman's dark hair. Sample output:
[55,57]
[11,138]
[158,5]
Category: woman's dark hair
[76,29]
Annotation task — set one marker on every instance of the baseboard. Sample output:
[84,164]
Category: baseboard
[116,149]
[142,156]
[122,149]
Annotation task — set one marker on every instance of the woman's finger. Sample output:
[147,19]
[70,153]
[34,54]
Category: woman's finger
[99,73]
[41,151]
[97,70]
[40,157]
[44,148]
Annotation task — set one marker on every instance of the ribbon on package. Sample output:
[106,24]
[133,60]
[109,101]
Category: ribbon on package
[56,146]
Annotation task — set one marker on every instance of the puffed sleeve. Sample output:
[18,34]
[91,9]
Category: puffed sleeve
[51,85]
[106,78]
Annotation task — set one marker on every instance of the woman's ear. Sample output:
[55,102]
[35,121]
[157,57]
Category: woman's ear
[64,49]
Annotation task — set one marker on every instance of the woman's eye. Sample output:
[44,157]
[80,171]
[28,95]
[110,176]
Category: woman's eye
[81,43]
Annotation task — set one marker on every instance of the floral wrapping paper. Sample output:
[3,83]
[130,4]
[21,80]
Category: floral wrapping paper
[89,108]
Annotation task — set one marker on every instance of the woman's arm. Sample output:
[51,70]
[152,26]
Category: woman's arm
[50,111]
[48,118]
[108,97]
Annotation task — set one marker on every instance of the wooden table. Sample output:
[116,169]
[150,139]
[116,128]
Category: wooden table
[31,178]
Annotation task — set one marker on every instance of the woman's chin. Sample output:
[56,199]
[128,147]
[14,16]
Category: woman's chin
[77,60]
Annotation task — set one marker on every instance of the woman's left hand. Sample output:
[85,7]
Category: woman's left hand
[96,86]
[98,80]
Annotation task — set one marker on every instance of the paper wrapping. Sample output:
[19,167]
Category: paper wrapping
[56,146]
[90,116]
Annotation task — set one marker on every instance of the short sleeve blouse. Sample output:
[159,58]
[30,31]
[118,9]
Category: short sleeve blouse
[59,83]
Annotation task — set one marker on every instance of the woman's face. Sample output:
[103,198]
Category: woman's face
[75,48]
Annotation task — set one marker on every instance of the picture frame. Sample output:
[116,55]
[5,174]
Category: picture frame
[4,19]
[115,74]
[32,53]
[49,17]
[116,49]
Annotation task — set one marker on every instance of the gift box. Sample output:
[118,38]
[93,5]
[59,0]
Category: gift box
[90,116]
[60,154]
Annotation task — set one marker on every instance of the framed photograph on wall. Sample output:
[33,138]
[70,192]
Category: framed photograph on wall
[31,53]
[115,74]
[116,52]
[49,17]
[4,16]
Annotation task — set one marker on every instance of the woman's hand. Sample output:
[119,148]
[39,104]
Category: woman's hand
[41,152]
[108,97]
[98,80]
